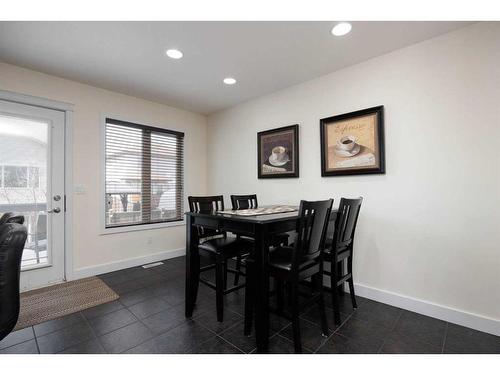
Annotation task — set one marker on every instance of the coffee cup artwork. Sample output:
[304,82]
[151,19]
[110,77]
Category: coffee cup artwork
[278,152]
[353,143]
[347,147]
[279,157]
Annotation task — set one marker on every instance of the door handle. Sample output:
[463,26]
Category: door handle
[55,210]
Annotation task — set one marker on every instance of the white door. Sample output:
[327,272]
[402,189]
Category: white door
[32,184]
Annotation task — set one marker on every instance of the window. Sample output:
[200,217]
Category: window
[143,174]
[20,177]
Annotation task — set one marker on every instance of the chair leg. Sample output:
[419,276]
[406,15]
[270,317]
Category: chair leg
[249,301]
[318,282]
[219,289]
[335,299]
[238,268]
[280,295]
[295,317]
[351,284]
[340,271]
[225,274]
[351,292]
[288,288]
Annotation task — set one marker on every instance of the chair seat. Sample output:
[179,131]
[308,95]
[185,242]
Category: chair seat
[281,258]
[280,238]
[275,240]
[229,246]
[342,252]
[328,250]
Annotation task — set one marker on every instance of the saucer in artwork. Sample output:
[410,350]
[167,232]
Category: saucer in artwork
[347,154]
[277,163]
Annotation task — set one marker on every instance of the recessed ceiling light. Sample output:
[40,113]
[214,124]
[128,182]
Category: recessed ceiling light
[341,28]
[229,81]
[174,54]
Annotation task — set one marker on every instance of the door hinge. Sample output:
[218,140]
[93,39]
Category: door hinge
[64,202]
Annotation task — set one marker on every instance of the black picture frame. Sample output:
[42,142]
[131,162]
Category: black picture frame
[379,138]
[294,173]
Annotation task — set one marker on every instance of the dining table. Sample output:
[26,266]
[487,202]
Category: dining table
[260,224]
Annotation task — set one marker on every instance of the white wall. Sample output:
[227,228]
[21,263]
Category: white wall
[429,228]
[93,252]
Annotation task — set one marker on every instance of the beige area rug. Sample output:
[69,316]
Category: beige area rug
[41,305]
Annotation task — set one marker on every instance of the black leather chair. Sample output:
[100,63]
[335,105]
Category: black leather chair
[10,217]
[339,249]
[291,265]
[12,239]
[219,248]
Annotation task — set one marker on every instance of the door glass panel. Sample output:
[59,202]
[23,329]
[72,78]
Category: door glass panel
[23,185]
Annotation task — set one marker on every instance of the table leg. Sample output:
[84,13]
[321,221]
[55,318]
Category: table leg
[261,278]
[340,272]
[192,266]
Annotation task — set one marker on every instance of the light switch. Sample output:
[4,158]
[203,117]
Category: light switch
[79,189]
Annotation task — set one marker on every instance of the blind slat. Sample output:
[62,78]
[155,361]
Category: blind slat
[144,174]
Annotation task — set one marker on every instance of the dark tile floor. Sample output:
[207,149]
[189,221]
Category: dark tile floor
[149,318]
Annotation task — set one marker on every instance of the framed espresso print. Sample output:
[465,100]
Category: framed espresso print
[353,143]
[278,152]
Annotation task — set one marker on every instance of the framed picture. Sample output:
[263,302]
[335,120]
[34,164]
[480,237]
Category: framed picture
[278,152]
[353,143]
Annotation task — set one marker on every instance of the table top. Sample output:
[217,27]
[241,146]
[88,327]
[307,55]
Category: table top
[255,219]
[262,210]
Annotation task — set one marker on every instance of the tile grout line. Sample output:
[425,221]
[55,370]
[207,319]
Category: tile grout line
[88,325]
[335,331]
[21,342]
[163,332]
[221,332]
[391,330]
[230,343]
[157,312]
[444,338]
[93,332]
[155,335]
[36,340]
[291,342]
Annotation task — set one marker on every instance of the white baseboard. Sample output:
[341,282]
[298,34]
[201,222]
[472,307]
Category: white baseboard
[463,318]
[127,263]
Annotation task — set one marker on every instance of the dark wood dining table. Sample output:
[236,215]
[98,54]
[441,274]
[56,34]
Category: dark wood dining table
[259,227]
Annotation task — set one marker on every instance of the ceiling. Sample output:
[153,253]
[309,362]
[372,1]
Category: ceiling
[129,57]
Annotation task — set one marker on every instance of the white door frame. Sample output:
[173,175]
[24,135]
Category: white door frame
[67,108]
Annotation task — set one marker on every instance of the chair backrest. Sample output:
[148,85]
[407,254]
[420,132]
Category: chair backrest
[345,223]
[311,230]
[11,217]
[243,202]
[12,239]
[206,205]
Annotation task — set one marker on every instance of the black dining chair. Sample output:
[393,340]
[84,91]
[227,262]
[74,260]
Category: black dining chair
[292,264]
[219,248]
[245,202]
[12,239]
[339,249]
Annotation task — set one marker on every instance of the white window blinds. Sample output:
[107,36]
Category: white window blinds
[144,174]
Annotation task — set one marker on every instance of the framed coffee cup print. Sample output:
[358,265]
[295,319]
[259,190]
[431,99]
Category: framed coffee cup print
[278,152]
[353,143]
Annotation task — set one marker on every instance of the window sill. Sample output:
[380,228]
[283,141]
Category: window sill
[134,228]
